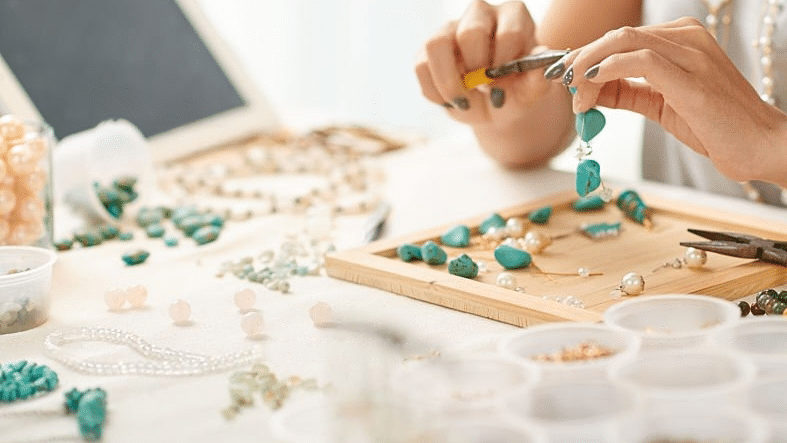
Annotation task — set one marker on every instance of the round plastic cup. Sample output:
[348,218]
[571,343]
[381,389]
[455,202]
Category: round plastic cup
[707,424]
[672,320]
[593,411]
[686,377]
[326,421]
[762,340]
[551,338]
[476,431]
[111,150]
[459,387]
[767,399]
[25,280]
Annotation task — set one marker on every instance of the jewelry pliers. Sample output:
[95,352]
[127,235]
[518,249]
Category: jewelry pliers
[741,245]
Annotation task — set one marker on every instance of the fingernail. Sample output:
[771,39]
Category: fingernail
[568,77]
[498,97]
[592,72]
[555,70]
[447,105]
[462,103]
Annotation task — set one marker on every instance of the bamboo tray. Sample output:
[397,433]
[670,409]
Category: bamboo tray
[636,249]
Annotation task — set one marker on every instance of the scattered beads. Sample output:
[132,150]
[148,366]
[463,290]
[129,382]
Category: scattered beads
[252,324]
[744,307]
[408,252]
[695,258]
[321,315]
[598,231]
[515,227]
[135,257]
[770,302]
[634,208]
[90,407]
[588,203]
[433,254]
[540,216]
[457,237]
[493,221]
[137,295]
[115,298]
[245,298]
[535,242]
[580,352]
[568,300]
[463,266]
[21,380]
[180,312]
[512,258]
[506,280]
[632,284]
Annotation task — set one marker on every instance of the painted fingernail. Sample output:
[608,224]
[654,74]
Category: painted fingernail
[462,103]
[592,72]
[568,77]
[498,97]
[447,105]
[555,70]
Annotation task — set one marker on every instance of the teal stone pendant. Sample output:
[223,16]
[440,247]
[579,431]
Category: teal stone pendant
[540,216]
[588,177]
[457,237]
[589,124]
[433,254]
[493,221]
[512,258]
[408,252]
[588,203]
[463,266]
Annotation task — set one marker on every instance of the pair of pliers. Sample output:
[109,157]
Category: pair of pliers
[741,245]
[488,75]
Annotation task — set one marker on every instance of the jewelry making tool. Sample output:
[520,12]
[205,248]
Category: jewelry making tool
[485,76]
[741,245]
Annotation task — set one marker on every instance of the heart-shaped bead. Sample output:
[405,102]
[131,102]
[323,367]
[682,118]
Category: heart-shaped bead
[588,177]
[457,237]
[589,124]
[510,257]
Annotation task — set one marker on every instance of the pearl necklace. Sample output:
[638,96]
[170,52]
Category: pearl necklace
[765,44]
[165,361]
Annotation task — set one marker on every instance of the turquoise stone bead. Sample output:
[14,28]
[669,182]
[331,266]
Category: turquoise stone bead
[92,413]
[206,234]
[155,231]
[115,209]
[148,216]
[589,124]
[72,400]
[88,237]
[126,236]
[493,221]
[433,254]
[125,183]
[512,258]
[599,230]
[215,220]
[136,257]
[108,231]
[540,216]
[588,177]
[190,224]
[64,244]
[408,252]
[457,237]
[25,391]
[181,212]
[171,241]
[588,203]
[463,266]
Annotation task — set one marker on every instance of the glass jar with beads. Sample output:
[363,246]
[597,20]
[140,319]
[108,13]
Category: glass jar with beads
[25,182]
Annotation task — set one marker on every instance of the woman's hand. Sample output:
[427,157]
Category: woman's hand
[691,88]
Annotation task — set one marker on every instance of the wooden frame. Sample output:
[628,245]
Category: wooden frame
[637,249]
[221,129]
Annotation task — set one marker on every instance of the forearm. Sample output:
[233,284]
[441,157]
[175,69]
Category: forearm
[534,135]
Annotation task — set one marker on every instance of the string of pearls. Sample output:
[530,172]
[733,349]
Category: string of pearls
[764,43]
[161,361]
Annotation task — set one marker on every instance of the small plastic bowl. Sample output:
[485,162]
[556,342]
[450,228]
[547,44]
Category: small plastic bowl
[706,424]
[672,320]
[762,340]
[460,387]
[687,377]
[25,280]
[766,398]
[476,431]
[552,338]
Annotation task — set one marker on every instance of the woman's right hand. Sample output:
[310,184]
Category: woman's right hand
[485,36]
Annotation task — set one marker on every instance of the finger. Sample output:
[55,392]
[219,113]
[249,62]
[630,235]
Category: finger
[515,33]
[586,96]
[442,53]
[424,75]
[474,34]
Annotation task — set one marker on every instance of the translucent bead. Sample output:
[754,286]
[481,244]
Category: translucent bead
[21,159]
[7,200]
[506,280]
[115,298]
[180,312]
[137,295]
[252,324]
[321,315]
[245,298]
[30,207]
[583,272]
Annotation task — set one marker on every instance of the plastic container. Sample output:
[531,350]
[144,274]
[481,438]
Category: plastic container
[459,387]
[707,424]
[762,340]
[550,338]
[25,280]
[476,431]
[687,377]
[574,411]
[767,399]
[672,320]
[98,157]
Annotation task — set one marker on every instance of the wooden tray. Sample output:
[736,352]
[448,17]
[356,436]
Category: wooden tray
[636,249]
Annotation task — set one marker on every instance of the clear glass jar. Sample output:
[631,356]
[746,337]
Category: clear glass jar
[25,182]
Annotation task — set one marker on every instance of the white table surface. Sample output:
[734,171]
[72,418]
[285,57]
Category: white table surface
[428,185]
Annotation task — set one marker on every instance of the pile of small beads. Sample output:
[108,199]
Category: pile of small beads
[22,379]
[24,153]
[120,193]
[580,352]
[18,314]
[767,301]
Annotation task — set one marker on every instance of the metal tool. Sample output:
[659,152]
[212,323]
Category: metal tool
[741,245]
[535,61]
[375,224]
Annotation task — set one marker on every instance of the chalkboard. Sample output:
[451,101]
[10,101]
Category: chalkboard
[155,63]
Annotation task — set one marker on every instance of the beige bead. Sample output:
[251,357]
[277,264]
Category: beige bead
[30,207]
[252,324]
[11,127]
[21,159]
[180,312]
[137,295]
[5,229]
[7,200]
[36,144]
[115,298]
[321,315]
[21,234]
[245,299]
[695,258]
[34,181]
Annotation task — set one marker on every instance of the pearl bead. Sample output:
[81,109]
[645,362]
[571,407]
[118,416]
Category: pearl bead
[31,208]
[7,200]
[514,243]
[494,233]
[506,280]
[34,181]
[115,298]
[180,311]
[695,258]
[536,242]
[137,295]
[321,315]
[21,234]
[515,227]
[632,284]
[21,159]
[252,324]
[11,128]
[245,299]
[36,144]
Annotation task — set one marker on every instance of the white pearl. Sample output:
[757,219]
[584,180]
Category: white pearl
[632,284]
[180,311]
[514,243]
[695,258]
[515,227]
[321,315]
[115,298]
[245,299]
[137,295]
[536,242]
[252,324]
[583,272]
[494,234]
[506,280]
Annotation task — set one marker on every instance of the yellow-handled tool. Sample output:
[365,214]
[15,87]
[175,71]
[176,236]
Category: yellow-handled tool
[485,76]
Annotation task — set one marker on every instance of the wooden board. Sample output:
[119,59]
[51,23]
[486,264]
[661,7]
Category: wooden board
[636,249]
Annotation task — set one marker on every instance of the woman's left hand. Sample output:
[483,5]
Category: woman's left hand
[691,88]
